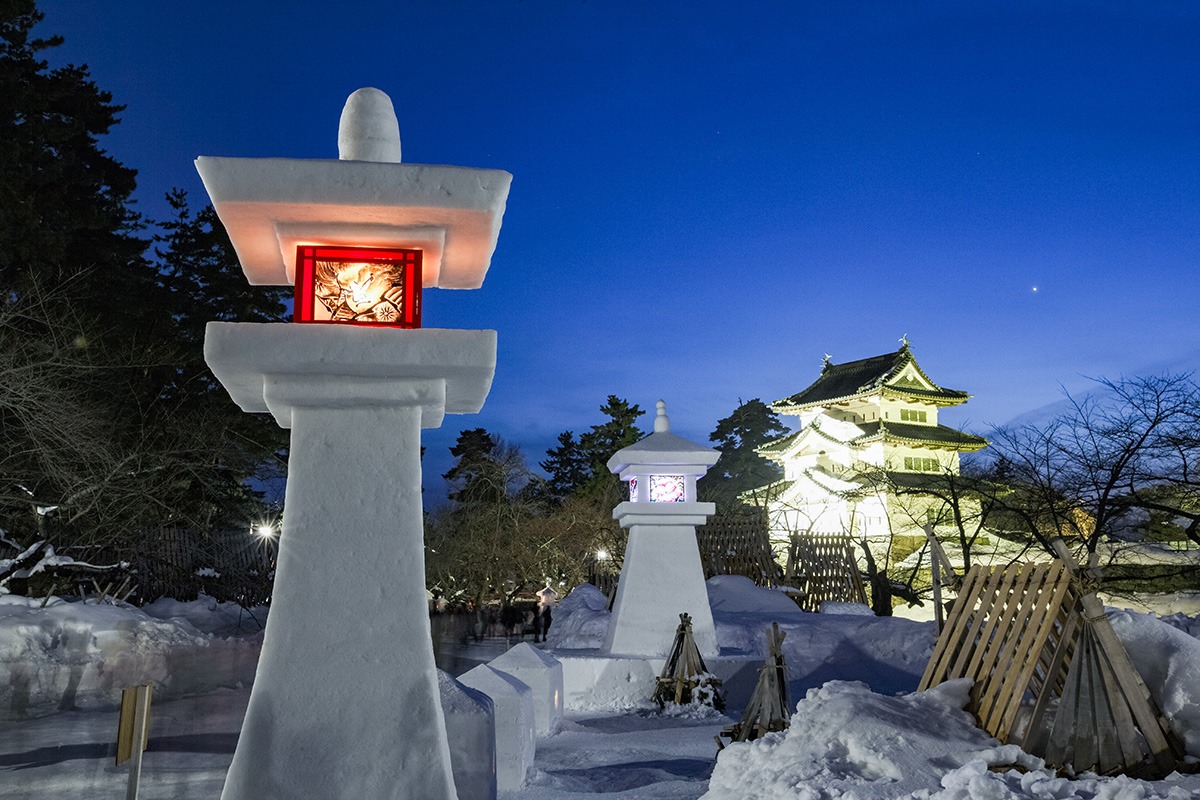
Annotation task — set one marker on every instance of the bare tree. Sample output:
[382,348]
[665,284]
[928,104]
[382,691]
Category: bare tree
[1133,444]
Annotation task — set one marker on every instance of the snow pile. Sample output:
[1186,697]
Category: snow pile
[737,594]
[888,653]
[848,742]
[81,655]
[849,609]
[580,620]
[1169,662]
[207,615]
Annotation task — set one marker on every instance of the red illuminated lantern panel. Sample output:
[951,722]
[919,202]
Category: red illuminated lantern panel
[358,285]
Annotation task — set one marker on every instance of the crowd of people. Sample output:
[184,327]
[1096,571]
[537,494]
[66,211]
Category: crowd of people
[464,623]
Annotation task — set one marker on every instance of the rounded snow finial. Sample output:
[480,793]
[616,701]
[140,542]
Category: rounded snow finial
[662,423]
[368,130]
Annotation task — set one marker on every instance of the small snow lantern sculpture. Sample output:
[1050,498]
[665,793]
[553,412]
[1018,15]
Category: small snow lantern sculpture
[662,559]
[359,285]
[660,476]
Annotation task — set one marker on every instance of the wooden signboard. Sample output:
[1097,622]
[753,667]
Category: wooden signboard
[133,726]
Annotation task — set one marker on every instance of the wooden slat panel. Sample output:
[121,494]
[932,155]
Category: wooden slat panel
[1029,629]
[830,569]
[956,635]
[1028,649]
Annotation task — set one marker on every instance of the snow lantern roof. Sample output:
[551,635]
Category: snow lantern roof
[523,655]
[366,198]
[663,449]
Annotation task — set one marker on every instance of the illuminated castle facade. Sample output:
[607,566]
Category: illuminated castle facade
[869,441]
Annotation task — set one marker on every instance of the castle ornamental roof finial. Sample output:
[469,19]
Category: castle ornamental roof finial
[825,362]
[904,341]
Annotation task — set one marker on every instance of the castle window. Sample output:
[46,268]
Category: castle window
[917,464]
[907,415]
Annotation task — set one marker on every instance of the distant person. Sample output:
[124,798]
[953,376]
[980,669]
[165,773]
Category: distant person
[546,600]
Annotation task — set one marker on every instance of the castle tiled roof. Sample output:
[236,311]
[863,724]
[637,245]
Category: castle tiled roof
[936,434]
[863,377]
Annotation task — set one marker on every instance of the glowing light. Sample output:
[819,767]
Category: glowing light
[602,555]
[264,530]
[666,489]
[358,285]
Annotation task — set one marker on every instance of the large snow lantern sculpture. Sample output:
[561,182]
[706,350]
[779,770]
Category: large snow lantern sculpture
[661,576]
[345,703]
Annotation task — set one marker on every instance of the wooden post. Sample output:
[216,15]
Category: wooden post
[133,728]
[937,589]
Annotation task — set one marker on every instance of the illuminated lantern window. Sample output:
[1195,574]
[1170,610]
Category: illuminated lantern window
[633,489]
[666,489]
[358,285]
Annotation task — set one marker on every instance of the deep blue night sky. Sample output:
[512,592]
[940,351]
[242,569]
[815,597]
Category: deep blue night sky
[710,196]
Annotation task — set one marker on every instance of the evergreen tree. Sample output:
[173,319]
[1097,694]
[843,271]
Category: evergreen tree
[618,431]
[568,467]
[201,280]
[751,425]
[580,467]
[110,424]
[64,202]
[479,475]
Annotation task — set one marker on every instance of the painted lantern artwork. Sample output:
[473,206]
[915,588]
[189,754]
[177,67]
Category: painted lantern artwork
[358,285]
[666,489]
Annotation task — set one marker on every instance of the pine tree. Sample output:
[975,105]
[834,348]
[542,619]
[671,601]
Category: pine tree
[751,425]
[108,414]
[568,467]
[64,202]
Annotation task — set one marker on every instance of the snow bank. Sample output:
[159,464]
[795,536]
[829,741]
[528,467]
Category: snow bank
[77,655]
[580,620]
[848,742]
[207,615]
[887,653]
[1168,659]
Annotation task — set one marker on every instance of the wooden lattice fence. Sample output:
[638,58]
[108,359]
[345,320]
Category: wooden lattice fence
[739,545]
[826,569]
[180,562]
[1050,673]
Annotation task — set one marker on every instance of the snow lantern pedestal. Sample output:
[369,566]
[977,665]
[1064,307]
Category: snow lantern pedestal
[345,703]
[661,576]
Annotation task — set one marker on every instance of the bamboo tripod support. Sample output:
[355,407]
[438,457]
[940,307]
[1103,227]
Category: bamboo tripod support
[685,678]
[767,710]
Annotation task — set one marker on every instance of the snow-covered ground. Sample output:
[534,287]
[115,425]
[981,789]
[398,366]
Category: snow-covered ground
[859,731]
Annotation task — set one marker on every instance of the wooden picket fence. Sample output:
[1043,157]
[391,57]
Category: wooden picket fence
[826,569]
[1050,673]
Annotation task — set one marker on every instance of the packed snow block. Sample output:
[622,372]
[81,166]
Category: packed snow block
[595,681]
[544,675]
[471,732]
[516,733]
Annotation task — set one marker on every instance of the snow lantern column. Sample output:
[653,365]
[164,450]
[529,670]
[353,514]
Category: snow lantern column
[661,576]
[345,703]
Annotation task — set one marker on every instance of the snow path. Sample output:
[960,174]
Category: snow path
[70,754]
